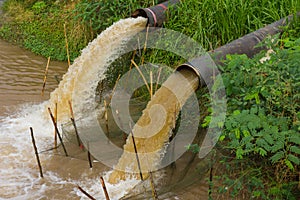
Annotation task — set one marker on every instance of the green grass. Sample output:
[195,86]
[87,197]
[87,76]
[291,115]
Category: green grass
[214,23]
[39,25]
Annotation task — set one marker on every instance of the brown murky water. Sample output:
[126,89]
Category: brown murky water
[22,74]
[22,106]
[153,130]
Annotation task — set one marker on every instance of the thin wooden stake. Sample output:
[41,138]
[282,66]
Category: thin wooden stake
[104,188]
[74,124]
[101,90]
[89,155]
[121,125]
[36,153]
[106,118]
[86,194]
[45,76]
[173,164]
[57,131]
[67,45]
[136,154]
[154,193]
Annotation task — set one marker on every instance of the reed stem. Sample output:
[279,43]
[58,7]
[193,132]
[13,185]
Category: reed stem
[143,77]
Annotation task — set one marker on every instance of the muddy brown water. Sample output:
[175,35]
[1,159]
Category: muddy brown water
[22,74]
[21,83]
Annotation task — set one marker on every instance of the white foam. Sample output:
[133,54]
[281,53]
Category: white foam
[18,171]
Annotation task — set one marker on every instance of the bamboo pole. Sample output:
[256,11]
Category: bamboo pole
[57,131]
[106,118]
[67,45]
[154,192]
[45,77]
[104,188]
[173,164]
[36,153]
[136,154]
[121,125]
[89,155]
[86,194]
[101,91]
[210,182]
[73,122]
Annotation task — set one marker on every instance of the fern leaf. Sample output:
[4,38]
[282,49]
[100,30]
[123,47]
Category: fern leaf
[277,156]
[294,159]
[295,149]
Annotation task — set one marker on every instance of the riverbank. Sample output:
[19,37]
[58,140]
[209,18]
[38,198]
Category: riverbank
[46,25]
[260,138]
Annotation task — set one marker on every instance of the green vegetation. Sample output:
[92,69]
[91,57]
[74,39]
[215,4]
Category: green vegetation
[263,122]
[260,141]
[38,25]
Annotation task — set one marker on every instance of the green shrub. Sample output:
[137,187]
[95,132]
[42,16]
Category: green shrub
[262,128]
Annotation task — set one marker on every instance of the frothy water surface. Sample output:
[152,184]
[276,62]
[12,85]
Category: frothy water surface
[20,89]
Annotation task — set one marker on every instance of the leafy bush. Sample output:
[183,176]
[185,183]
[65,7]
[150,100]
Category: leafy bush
[262,129]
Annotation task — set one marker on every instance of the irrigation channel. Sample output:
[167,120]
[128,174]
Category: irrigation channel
[22,106]
[132,171]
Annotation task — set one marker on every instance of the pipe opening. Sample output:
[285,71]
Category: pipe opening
[139,13]
[190,67]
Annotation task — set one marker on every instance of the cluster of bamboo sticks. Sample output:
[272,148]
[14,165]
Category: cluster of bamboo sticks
[72,118]
[57,133]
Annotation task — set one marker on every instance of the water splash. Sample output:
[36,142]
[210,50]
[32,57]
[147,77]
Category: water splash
[18,174]
[81,80]
[154,128]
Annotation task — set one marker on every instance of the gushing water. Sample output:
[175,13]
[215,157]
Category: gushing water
[81,80]
[18,172]
[154,128]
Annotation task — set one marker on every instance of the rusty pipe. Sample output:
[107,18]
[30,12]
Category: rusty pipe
[204,66]
[156,15]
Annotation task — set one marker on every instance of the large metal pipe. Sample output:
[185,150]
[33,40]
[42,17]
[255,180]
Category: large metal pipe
[156,15]
[244,45]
